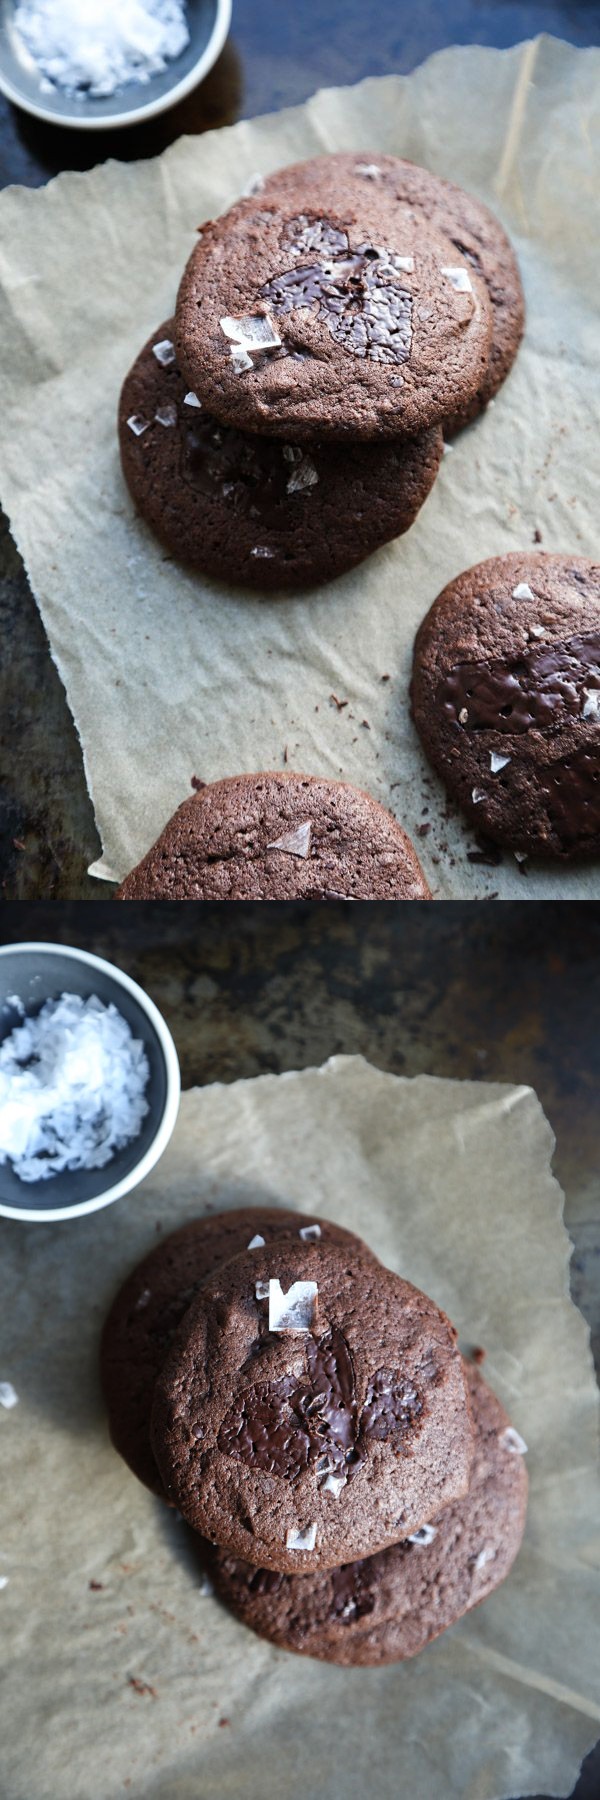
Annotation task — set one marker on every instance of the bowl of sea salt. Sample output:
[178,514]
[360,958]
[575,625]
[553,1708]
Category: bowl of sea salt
[97,64]
[89,1082]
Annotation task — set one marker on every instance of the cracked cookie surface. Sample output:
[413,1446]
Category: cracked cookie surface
[388,1607]
[350,319]
[297,1446]
[279,836]
[244,509]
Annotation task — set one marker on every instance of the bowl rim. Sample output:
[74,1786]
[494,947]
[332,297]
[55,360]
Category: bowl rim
[135,116]
[167,1122]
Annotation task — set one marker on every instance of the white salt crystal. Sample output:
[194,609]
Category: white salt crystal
[164,352]
[302,1539]
[591,706]
[497,762]
[166,415]
[261,1289]
[192,400]
[240,359]
[254,186]
[425,1535]
[253,332]
[294,1311]
[459,280]
[101,45]
[262,550]
[369,170]
[303,477]
[477,796]
[8,1397]
[485,1556]
[72,1083]
[310,1233]
[137,425]
[295,843]
[522,592]
[405,264]
[333,1485]
[513,1441]
[257,1243]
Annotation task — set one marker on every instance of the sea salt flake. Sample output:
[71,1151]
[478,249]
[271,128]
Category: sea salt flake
[310,1233]
[72,1085]
[301,1539]
[254,186]
[294,843]
[425,1535]
[404,264]
[257,1243]
[241,360]
[303,477]
[261,1289]
[535,631]
[192,400]
[164,352]
[591,707]
[513,1441]
[485,1556]
[142,1299]
[292,454]
[8,1397]
[254,332]
[459,280]
[138,425]
[522,592]
[520,856]
[262,550]
[294,1311]
[333,1485]
[497,762]
[447,450]
[463,716]
[477,796]
[166,415]
[205,1587]
[369,170]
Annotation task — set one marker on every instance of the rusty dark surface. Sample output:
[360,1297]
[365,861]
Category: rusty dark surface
[508,993]
[276,56]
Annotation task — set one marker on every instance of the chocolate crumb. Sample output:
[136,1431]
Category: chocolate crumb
[97,1587]
[339,703]
[197,784]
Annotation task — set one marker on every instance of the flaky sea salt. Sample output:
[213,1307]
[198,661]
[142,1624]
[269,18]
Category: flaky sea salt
[459,280]
[302,1538]
[164,352]
[294,843]
[72,1084]
[101,45]
[294,1311]
[8,1396]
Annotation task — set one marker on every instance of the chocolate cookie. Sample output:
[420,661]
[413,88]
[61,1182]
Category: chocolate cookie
[472,228]
[390,1606]
[506,700]
[246,510]
[313,1408]
[349,317]
[279,837]
[150,1305]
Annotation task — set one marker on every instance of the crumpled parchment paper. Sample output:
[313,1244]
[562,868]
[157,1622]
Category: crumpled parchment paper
[143,1684]
[170,675]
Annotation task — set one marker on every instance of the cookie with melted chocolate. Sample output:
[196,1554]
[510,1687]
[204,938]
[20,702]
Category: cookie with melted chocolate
[388,1607]
[341,319]
[473,230]
[279,837]
[506,700]
[312,1410]
[151,1303]
[244,509]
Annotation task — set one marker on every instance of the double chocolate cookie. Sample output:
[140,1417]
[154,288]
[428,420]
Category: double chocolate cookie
[472,229]
[150,1305]
[279,837]
[506,700]
[388,1607]
[312,1410]
[341,316]
[244,509]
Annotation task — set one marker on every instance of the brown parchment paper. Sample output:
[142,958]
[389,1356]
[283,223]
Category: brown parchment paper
[168,674]
[145,1685]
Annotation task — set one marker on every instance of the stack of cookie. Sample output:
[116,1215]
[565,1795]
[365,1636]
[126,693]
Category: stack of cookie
[356,1484]
[331,329]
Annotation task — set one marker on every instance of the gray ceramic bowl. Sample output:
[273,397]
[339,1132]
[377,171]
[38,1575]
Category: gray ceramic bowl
[38,972]
[22,82]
